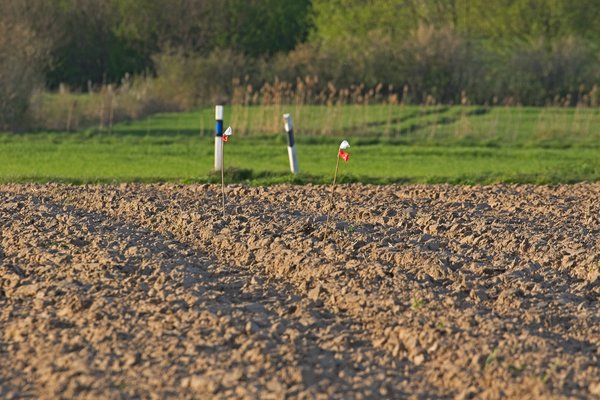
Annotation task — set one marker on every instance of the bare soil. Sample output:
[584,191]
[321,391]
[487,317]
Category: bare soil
[146,291]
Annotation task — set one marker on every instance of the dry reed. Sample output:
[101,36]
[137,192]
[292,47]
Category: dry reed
[321,108]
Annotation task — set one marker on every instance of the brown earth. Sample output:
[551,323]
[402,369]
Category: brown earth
[413,291]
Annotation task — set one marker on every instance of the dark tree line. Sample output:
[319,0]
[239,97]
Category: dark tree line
[530,51]
[102,40]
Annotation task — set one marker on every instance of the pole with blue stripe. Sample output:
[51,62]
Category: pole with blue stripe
[289,128]
[219,138]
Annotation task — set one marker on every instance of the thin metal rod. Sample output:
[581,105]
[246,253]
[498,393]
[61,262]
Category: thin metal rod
[337,165]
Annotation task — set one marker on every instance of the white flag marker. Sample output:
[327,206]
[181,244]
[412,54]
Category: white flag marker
[226,134]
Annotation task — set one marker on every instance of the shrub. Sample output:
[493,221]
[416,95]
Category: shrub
[191,80]
[442,64]
[540,71]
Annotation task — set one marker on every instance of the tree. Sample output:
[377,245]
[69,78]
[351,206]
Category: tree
[339,21]
[24,51]
[265,27]
[90,47]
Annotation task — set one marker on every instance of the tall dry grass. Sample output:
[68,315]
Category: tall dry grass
[381,111]
[322,108]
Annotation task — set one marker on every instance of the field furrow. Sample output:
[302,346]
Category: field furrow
[435,291]
[101,308]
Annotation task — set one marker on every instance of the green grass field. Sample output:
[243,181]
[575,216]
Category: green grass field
[401,144]
[431,125]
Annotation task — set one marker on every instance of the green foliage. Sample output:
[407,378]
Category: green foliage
[102,41]
[22,55]
[417,303]
[533,52]
[265,27]
[231,174]
[347,21]
[479,19]
[521,51]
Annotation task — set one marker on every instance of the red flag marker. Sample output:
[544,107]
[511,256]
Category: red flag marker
[344,155]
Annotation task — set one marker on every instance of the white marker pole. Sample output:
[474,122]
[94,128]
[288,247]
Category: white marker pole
[289,128]
[219,138]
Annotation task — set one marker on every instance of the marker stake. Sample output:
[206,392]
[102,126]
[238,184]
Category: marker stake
[219,138]
[340,154]
[289,128]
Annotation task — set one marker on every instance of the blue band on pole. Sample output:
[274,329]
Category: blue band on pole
[290,135]
[219,128]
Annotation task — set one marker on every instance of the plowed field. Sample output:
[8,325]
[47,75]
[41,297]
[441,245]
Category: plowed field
[410,291]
